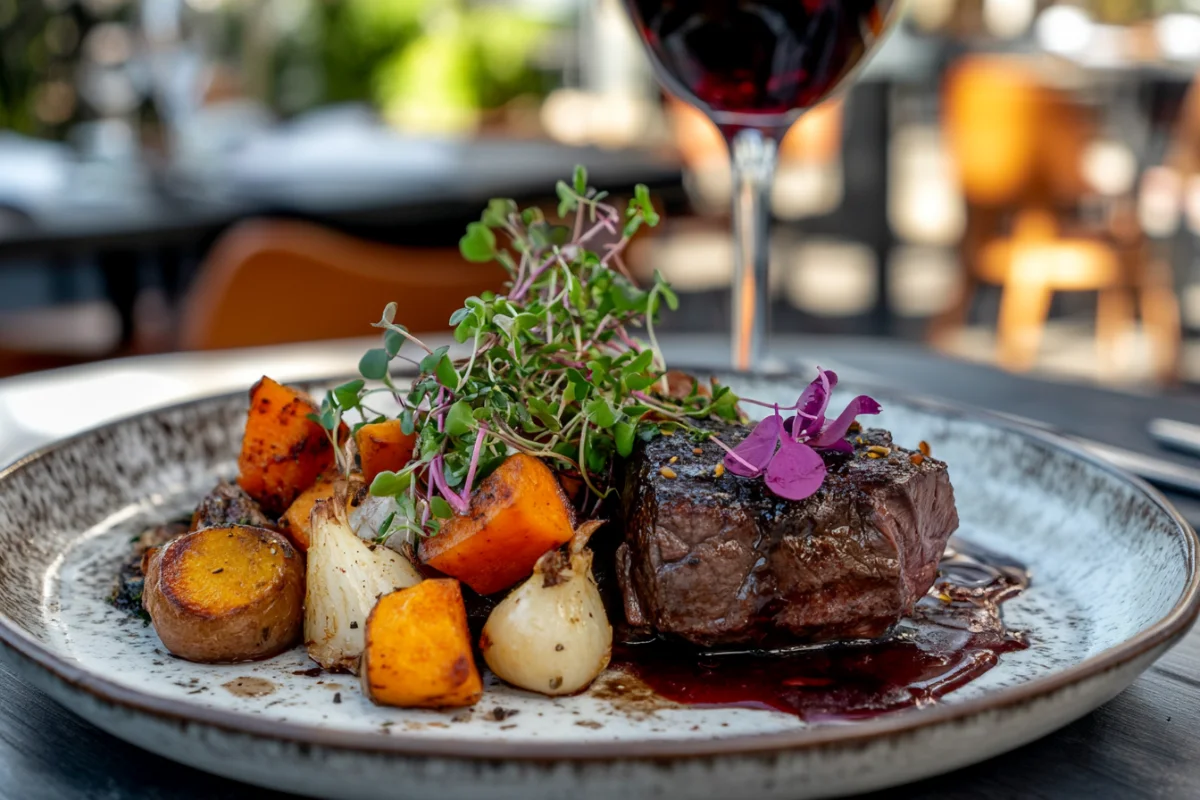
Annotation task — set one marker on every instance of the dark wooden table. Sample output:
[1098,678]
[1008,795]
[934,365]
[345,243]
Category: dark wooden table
[1143,744]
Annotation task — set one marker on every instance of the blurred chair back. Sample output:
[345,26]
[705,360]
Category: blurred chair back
[991,107]
[1018,146]
[272,282]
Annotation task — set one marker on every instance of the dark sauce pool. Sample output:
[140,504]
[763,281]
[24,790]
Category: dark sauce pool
[955,634]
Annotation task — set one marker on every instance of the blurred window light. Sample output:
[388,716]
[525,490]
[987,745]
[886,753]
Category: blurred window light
[612,119]
[1191,203]
[204,6]
[924,203]
[1109,167]
[109,91]
[1178,36]
[109,44]
[54,102]
[691,260]
[1065,30]
[830,278]
[931,15]
[924,280]
[1008,19]
[1158,205]
[1189,304]
[806,190]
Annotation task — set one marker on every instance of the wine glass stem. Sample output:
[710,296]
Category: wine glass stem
[754,155]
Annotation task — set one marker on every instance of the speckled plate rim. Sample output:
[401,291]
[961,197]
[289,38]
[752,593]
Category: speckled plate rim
[1161,634]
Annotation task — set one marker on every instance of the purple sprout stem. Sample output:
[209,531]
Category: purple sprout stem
[776,406]
[627,339]
[736,457]
[604,224]
[439,481]
[483,429]
[599,330]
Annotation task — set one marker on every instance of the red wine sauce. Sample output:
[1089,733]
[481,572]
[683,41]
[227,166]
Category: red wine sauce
[954,635]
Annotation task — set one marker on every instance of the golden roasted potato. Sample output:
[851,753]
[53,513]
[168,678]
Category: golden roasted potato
[234,593]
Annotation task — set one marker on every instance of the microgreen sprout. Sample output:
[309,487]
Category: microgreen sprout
[565,366]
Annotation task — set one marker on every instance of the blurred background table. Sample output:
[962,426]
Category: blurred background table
[1143,744]
[148,149]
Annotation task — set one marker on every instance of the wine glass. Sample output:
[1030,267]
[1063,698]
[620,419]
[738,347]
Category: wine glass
[754,66]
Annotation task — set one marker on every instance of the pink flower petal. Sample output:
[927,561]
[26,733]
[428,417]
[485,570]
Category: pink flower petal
[841,446]
[814,400]
[796,471]
[756,449]
[836,431]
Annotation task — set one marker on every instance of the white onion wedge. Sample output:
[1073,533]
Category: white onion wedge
[346,575]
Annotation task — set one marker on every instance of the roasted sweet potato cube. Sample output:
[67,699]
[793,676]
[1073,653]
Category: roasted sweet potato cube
[384,447]
[418,649]
[283,451]
[295,522]
[516,515]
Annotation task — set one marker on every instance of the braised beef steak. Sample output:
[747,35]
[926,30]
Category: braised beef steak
[720,560]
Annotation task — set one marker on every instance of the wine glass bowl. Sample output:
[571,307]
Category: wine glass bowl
[754,66]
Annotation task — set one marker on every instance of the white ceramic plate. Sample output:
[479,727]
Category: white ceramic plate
[1114,585]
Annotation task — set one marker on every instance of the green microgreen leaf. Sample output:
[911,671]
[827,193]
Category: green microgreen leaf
[374,364]
[393,340]
[429,362]
[385,526]
[446,373]
[623,433]
[601,413]
[347,395]
[459,419]
[497,212]
[567,201]
[390,484]
[580,180]
[478,244]
[440,508]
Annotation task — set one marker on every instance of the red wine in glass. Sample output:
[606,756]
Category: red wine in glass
[758,60]
[754,66]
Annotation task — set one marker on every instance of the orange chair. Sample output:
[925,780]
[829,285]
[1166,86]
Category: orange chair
[272,282]
[1018,145]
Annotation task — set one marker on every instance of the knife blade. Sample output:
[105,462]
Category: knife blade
[1183,437]
[1158,471]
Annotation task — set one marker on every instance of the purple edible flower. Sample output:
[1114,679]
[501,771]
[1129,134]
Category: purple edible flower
[785,451]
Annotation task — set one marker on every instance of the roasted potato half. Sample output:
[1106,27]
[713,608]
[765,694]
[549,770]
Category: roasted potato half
[232,593]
